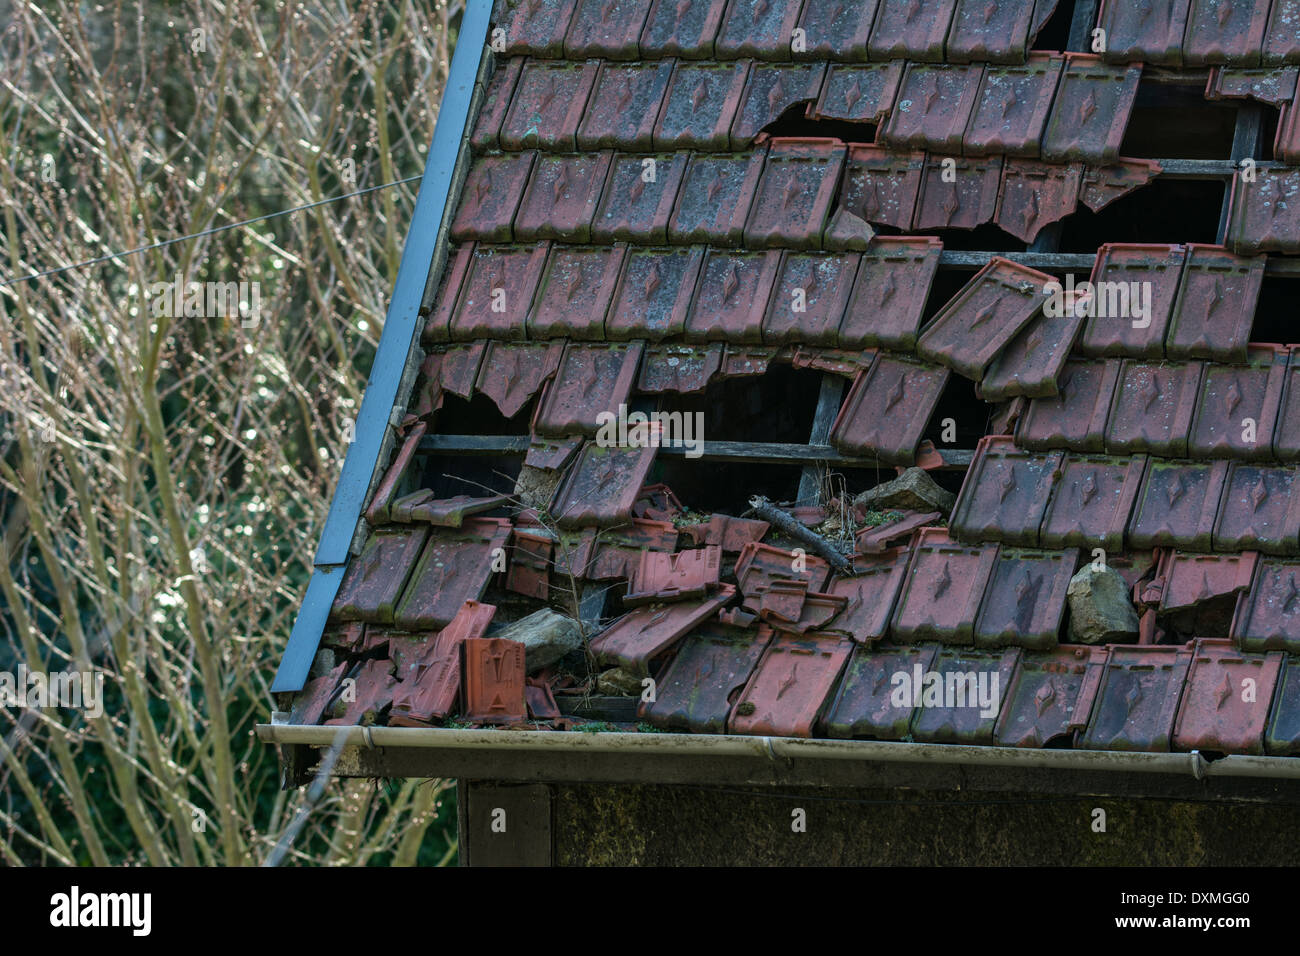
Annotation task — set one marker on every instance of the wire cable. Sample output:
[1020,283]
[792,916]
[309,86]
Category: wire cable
[206,232]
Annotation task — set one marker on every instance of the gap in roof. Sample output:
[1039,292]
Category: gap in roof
[1166,210]
[1177,130]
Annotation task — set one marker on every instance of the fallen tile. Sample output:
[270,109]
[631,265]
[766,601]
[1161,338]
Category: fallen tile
[888,408]
[453,568]
[431,683]
[663,577]
[643,634]
[494,681]
[363,701]
[790,686]
[1102,185]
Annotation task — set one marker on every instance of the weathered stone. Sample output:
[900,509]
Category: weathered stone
[1101,610]
[546,635]
[618,682]
[913,490]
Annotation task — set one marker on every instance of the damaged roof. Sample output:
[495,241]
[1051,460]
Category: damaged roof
[751,347]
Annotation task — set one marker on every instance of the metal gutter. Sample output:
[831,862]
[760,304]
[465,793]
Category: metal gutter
[650,749]
[425,243]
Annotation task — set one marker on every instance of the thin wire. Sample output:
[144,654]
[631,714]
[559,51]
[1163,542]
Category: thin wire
[206,232]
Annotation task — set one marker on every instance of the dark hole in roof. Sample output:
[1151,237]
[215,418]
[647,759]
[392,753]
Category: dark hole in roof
[774,407]
[1163,211]
[1176,129]
[1275,311]
[795,122]
[479,416]
[451,475]
[725,487]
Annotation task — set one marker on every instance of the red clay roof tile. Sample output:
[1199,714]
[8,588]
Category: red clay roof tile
[770,90]
[957,193]
[1091,502]
[1177,505]
[453,568]
[881,185]
[910,29]
[437,328]
[644,633]
[538,26]
[678,367]
[576,291]
[1273,85]
[732,296]
[1138,699]
[1050,696]
[1113,329]
[591,379]
[888,408]
[758,28]
[494,680]
[1024,604]
[601,486]
[373,581]
[1239,406]
[889,293]
[512,374]
[1268,614]
[1153,407]
[1011,107]
[562,196]
[1192,579]
[1004,494]
[1264,215]
[1225,32]
[1260,510]
[1091,110]
[1216,305]
[547,106]
[942,589]
[1282,38]
[836,29]
[812,293]
[1218,712]
[1282,737]
[1076,417]
[497,291]
[491,196]
[496,103]
[794,194]
[700,105]
[1031,364]
[1102,185]
[654,293]
[975,675]
[624,106]
[865,704]
[684,28]
[694,694]
[933,106]
[1150,32]
[639,199]
[714,201]
[789,687]
[990,32]
[1034,195]
[606,28]
[859,93]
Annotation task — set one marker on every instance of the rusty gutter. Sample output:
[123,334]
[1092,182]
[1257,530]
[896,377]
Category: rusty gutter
[656,747]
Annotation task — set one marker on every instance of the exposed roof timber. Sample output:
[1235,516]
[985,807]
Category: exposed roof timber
[780,453]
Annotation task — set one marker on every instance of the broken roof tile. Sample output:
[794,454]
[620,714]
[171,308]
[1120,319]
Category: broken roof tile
[551,454]
[732,296]
[1216,305]
[678,367]
[888,408]
[491,196]
[889,293]
[790,686]
[538,26]
[1239,406]
[836,29]
[758,28]
[547,106]
[715,197]
[606,28]
[496,102]
[1091,110]
[1264,215]
[1146,32]
[933,106]
[761,564]
[812,292]
[694,694]
[1275,86]
[1004,494]
[576,291]
[1032,362]
[770,90]
[591,379]
[375,577]
[1217,712]
[453,568]
[657,503]
[684,28]
[1128,270]
[1153,407]
[1195,579]
[990,32]
[957,193]
[1282,38]
[942,589]
[1011,107]
[1225,31]
[646,632]
[497,291]
[602,485]
[654,293]
[494,679]
[1260,510]
[859,93]
[1091,502]
[794,194]
[662,577]
[871,594]
[700,106]
[431,681]
[512,374]
[310,703]
[1268,613]
[1033,195]
[911,30]
[1024,604]
[444,512]
[529,571]
[639,199]
[458,369]
[562,195]
[1102,185]
[1138,699]
[1050,696]
[962,705]
[379,509]
[1177,505]
[731,534]
[983,317]
[867,703]
[881,185]
[624,106]
[371,694]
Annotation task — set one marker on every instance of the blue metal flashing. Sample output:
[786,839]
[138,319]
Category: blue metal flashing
[401,326]
[307,629]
